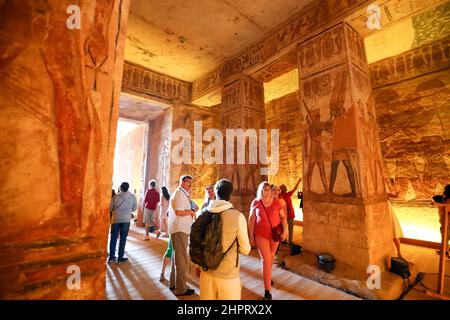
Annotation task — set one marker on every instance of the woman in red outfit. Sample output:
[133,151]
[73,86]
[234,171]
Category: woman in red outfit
[266,212]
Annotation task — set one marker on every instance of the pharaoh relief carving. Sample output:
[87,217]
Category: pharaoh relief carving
[331,133]
[413,119]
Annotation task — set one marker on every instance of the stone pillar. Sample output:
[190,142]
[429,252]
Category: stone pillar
[60,82]
[242,108]
[345,207]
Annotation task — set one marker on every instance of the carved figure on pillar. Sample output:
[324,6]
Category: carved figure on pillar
[317,154]
[343,147]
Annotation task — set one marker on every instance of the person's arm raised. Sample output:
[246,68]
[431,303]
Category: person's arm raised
[296,186]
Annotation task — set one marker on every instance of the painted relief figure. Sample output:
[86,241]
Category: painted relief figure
[317,154]
[343,143]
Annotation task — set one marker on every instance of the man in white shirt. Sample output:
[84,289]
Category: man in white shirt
[181,215]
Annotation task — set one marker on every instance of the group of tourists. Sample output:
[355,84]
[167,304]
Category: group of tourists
[270,223]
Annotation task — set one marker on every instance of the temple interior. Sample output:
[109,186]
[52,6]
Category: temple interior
[350,96]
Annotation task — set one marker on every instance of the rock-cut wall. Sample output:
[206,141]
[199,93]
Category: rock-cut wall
[412,96]
[59,92]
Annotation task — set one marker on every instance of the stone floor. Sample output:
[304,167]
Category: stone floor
[139,278]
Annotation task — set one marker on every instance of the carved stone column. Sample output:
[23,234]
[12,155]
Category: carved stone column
[345,207]
[242,108]
[60,84]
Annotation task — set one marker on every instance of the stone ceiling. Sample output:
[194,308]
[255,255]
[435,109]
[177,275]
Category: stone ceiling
[139,109]
[187,38]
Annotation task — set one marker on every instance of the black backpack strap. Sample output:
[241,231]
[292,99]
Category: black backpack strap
[229,248]
[237,253]
[237,258]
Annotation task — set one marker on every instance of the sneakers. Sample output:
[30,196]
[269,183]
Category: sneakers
[162,278]
[122,260]
[189,292]
[267,295]
[165,235]
[112,260]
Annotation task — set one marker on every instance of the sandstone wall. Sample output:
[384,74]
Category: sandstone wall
[183,117]
[59,91]
[285,114]
[159,146]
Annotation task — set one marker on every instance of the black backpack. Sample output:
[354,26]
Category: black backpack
[205,241]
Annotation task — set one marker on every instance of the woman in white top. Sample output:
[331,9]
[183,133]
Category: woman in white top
[164,207]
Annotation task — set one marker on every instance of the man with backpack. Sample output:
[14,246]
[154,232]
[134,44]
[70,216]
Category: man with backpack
[224,229]
[181,214]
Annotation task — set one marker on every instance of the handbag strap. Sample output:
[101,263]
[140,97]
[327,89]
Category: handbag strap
[119,204]
[266,214]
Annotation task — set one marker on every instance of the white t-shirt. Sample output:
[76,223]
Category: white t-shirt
[179,201]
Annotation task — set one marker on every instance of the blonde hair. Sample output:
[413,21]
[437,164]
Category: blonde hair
[259,191]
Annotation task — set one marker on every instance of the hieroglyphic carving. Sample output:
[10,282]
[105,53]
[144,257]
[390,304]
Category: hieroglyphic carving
[317,86]
[277,68]
[357,51]
[310,18]
[204,174]
[142,80]
[428,58]
[231,97]
[334,46]
[242,108]
[322,52]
